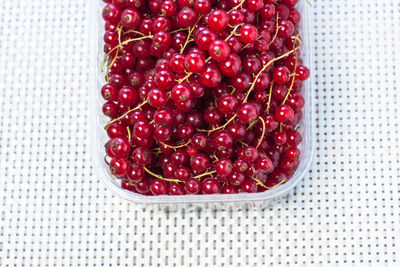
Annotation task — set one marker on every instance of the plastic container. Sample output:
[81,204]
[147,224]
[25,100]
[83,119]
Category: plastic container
[99,138]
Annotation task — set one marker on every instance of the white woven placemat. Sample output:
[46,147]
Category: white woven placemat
[54,211]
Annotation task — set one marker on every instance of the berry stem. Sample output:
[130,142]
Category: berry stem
[237,7]
[191,29]
[263,132]
[126,113]
[129,134]
[204,174]
[294,77]
[133,31]
[267,65]
[276,29]
[119,31]
[175,147]
[105,160]
[118,46]
[233,31]
[162,178]
[263,185]
[269,97]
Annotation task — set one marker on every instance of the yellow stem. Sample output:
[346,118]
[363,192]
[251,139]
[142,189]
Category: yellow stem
[191,29]
[236,7]
[233,31]
[126,113]
[162,178]
[129,134]
[204,174]
[175,147]
[277,29]
[263,185]
[293,79]
[133,31]
[123,43]
[263,132]
[269,96]
[267,65]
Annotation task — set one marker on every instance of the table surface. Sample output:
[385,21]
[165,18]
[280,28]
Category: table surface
[56,212]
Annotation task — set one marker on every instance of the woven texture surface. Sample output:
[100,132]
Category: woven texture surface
[54,211]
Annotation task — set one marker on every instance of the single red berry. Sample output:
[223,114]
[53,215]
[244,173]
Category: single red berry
[236,178]
[210,77]
[168,8]
[116,130]
[249,154]
[195,62]
[143,187]
[281,75]
[224,167]
[248,186]
[119,166]
[264,165]
[284,114]
[229,189]
[202,7]
[157,98]
[247,113]
[110,109]
[136,174]
[186,17]
[290,3]
[286,28]
[185,131]
[227,104]
[222,140]
[180,92]
[111,14]
[219,50]
[231,65]
[292,153]
[210,186]
[141,156]
[130,19]
[176,189]
[142,129]
[293,138]
[204,38]
[182,173]
[127,96]
[127,185]
[199,162]
[177,63]
[248,33]
[212,116]
[218,20]
[280,138]
[164,79]
[158,187]
[302,73]
[120,147]
[192,186]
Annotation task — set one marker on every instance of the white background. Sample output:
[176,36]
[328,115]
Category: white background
[54,211]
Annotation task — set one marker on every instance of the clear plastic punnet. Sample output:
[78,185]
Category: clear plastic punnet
[240,200]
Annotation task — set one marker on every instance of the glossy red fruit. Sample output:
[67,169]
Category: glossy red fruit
[284,114]
[141,156]
[192,186]
[247,113]
[130,19]
[119,166]
[219,50]
[210,186]
[158,187]
[218,20]
[120,146]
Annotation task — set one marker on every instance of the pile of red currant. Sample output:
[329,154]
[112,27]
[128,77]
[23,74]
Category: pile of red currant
[203,96]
